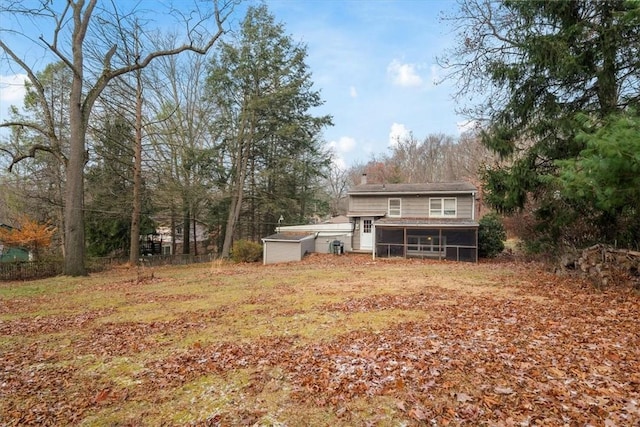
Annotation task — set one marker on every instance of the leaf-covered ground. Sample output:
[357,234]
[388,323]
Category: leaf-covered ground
[329,341]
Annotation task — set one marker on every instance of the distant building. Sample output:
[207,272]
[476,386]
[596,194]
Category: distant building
[12,254]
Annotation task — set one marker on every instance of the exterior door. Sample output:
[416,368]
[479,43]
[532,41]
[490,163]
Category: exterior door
[366,235]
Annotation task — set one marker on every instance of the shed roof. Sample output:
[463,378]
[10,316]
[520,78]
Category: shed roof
[287,237]
[424,188]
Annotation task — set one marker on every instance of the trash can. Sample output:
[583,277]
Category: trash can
[337,247]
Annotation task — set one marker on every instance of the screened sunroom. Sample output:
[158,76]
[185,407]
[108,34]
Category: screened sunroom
[450,240]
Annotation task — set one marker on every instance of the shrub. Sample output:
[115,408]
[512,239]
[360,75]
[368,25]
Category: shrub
[246,251]
[491,236]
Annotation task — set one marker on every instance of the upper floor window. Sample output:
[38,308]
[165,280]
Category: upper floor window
[442,207]
[395,207]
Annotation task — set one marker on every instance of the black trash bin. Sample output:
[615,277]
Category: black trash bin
[337,247]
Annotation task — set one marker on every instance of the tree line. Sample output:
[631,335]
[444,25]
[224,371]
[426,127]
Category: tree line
[226,140]
[128,126]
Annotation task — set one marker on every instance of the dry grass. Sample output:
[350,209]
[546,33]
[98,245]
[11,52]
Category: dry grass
[310,343]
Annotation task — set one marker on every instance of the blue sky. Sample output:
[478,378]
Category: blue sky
[374,62]
[375,65]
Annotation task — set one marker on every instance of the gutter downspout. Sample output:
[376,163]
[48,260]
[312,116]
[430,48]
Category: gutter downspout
[473,206]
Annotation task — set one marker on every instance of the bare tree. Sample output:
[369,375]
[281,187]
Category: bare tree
[337,183]
[93,67]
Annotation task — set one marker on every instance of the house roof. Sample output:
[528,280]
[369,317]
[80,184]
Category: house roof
[424,188]
[352,214]
[426,222]
[340,219]
[287,237]
[316,228]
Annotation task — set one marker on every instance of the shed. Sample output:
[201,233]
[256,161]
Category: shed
[339,228]
[286,247]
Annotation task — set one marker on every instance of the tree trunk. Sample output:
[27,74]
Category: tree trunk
[74,194]
[73,215]
[237,195]
[195,235]
[134,249]
[186,229]
[173,231]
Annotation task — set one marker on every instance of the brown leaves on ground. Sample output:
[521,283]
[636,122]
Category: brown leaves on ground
[495,344]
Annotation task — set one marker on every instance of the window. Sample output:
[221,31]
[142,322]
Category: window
[442,207]
[366,226]
[395,207]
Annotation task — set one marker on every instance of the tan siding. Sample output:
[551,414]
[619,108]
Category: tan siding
[465,207]
[280,252]
[275,251]
[306,247]
[415,207]
[368,203]
[322,243]
[412,206]
[356,237]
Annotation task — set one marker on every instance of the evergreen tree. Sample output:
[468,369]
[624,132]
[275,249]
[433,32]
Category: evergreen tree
[263,89]
[539,66]
[109,197]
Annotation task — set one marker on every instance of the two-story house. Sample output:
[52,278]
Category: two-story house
[436,220]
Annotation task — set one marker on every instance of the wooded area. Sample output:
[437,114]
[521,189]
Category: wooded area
[209,127]
[557,90]
[224,141]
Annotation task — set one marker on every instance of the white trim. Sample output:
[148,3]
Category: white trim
[442,207]
[389,214]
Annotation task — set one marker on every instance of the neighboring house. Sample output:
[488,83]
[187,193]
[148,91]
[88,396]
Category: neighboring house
[434,220]
[10,254]
[163,238]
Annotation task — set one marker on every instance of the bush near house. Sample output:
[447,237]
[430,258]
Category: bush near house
[246,251]
[491,236]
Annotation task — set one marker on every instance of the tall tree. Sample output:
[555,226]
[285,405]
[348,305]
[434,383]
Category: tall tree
[93,66]
[336,184]
[186,156]
[536,67]
[605,178]
[263,89]
[39,181]
[110,196]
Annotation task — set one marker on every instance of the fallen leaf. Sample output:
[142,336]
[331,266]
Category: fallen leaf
[503,390]
[463,397]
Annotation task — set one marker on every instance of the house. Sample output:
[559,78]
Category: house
[432,220]
[163,239]
[11,254]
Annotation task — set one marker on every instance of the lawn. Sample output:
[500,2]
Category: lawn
[330,341]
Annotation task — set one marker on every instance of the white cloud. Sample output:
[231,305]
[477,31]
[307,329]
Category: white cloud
[12,89]
[353,92]
[342,145]
[340,163]
[397,133]
[467,126]
[404,75]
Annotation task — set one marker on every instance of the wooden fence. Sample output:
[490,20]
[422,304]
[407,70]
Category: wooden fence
[31,270]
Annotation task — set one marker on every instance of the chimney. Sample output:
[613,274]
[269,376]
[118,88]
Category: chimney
[363,179]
